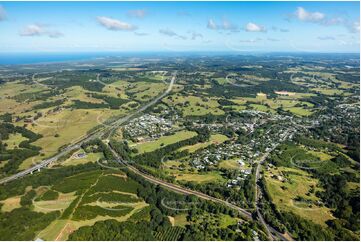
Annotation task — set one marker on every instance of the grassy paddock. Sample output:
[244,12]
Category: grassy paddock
[296,183]
[164,141]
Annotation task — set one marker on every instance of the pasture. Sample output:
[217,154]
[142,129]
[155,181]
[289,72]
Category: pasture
[194,105]
[204,177]
[286,184]
[14,140]
[214,139]
[68,125]
[164,141]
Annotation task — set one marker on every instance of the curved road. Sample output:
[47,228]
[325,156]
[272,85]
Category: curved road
[178,188]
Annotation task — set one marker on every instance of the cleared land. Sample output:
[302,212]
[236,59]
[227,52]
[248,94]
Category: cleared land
[214,139]
[164,141]
[286,184]
[193,105]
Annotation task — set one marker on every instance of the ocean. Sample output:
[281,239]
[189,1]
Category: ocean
[36,58]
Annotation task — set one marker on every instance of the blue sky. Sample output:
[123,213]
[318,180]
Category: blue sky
[179,26]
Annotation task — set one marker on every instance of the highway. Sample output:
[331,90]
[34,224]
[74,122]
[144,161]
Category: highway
[96,134]
[273,234]
[100,132]
[180,189]
[270,230]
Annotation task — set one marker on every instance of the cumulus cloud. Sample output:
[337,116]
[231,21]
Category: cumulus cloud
[252,27]
[2,13]
[304,15]
[138,13]
[224,25]
[326,38]
[321,18]
[171,33]
[39,30]
[115,24]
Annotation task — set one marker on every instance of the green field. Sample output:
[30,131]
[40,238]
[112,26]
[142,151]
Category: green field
[14,140]
[262,108]
[199,177]
[299,111]
[232,164]
[194,105]
[180,220]
[69,125]
[164,141]
[297,183]
[329,91]
[214,139]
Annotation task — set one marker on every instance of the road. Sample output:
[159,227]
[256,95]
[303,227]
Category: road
[171,186]
[270,230]
[96,134]
[258,210]
[180,189]
[245,214]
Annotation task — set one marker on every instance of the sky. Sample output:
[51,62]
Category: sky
[179,26]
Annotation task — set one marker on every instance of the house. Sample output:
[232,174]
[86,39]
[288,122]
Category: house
[81,155]
[241,163]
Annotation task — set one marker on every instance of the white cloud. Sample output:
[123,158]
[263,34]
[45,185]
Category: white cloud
[115,24]
[353,27]
[171,33]
[32,30]
[138,13]
[211,24]
[252,27]
[39,30]
[321,18]
[224,25]
[334,21]
[303,15]
[2,13]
